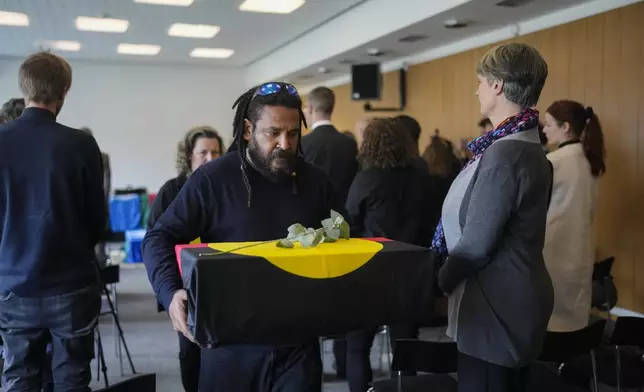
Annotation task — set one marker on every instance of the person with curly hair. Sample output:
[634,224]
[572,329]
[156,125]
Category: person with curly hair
[200,145]
[389,198]
[11,110]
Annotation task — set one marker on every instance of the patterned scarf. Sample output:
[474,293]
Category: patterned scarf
[525,120]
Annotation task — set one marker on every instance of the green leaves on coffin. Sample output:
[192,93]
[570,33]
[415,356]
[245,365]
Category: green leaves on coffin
[333,229]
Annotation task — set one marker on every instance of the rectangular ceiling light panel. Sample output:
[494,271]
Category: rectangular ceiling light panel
[271,6]
[212,53]
[8,18]
[176,3]
[102,25]
[139,50]
[193,30]
[67,46]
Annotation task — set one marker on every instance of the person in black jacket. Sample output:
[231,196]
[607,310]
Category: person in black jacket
[52,214]
[336,154]
[411,126]
[252,193]
[389,198]
[325,146]
[200,145]
[443,167]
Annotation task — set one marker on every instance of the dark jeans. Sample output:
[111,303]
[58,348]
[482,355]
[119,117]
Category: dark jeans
[261,369]
[340,354]
[359,373]
[190,363]
[27,325]
[477,375]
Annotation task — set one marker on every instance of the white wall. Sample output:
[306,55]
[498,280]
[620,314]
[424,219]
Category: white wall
[138,113]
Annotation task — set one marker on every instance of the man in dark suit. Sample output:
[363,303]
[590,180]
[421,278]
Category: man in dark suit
[325,146]
[52,215]
[337,155]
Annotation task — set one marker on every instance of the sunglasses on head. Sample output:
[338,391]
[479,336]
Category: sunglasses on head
[274,88]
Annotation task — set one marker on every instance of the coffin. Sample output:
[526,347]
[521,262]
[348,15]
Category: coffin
[257,293]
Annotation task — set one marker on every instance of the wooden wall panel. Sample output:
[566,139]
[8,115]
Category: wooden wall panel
[598,61]
[638,210]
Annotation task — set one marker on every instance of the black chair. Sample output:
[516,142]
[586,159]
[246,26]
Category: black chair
[604,291]
[628,334]
[559,347]
[413,355]
[139,383]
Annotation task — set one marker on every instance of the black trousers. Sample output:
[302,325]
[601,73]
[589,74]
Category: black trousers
[477,375]
[359,373]
[189,363]
[28,325]
[252,368]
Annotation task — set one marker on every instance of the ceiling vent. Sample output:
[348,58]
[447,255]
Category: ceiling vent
[304,77]
[347,62]
[456,24]
[324,70]
[513,3]
[413,38]
[377,52]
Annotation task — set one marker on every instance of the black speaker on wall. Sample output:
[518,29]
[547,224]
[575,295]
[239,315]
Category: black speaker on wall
[366,82]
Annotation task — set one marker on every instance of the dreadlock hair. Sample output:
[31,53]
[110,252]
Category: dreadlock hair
[249,108]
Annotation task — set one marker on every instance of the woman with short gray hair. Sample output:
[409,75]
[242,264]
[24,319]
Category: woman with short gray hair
[493,228]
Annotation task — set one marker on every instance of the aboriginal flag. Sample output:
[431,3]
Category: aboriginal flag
[257,293]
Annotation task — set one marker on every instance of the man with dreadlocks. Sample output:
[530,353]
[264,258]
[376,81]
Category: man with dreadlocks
[252,193]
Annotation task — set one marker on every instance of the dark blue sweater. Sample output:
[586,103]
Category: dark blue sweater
[52,206]
[213,205]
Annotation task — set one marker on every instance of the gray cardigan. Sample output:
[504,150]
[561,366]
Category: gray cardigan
[497,259]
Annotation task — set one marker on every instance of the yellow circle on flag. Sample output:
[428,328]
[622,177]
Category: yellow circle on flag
[327,260]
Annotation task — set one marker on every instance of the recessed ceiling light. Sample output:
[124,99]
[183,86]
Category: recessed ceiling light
[193,30]
[373,51]
[8,18]
[140,50]
[212,53]
[103,25]
[176,3]
[271,6]
[67,46]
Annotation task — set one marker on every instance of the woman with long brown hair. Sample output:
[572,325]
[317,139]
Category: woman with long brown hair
[578,163]
[388,198]
[443,167]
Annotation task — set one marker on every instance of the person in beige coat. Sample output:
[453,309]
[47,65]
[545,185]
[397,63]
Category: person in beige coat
[578,163]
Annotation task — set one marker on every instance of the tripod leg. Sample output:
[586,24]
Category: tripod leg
[101,357]
[118,327]
[117,342]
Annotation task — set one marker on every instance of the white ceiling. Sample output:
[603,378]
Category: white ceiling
[251,35]
[482,15]
[290,47]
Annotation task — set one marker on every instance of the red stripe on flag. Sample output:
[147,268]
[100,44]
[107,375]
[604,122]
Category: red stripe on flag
[178,248]
[378,239]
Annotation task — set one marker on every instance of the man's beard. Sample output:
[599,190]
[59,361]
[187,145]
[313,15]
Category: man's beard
[267,166]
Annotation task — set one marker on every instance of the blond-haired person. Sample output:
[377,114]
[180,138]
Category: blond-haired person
[493,229]
[52,214]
